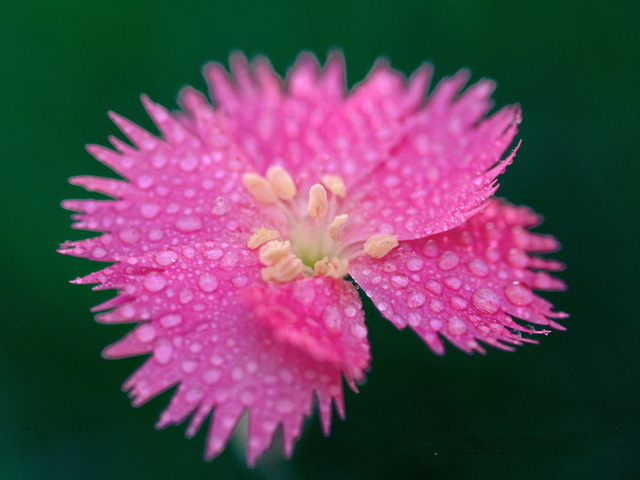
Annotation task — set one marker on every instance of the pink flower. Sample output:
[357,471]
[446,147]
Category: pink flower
[232,234]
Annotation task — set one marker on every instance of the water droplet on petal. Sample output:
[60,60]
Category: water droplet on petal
[98,252]
[240,281]
[146,333]
[189,223]
[229,260]
[430,248]
[189,163]
[171,320]
[144,181]
[436,305]
[213,254]
[486,300]
[414,264]
[518,293]
[415,300]
[166,257]
[194,395]
[358,330]
[453,282]
[149,210]
[478,268]
[517,258]
[456,326]
[163,352]
[434,287]
[448,260]
[189,366]
[154,282]
[399,281]
[185,296]
[458,303]
[207,282]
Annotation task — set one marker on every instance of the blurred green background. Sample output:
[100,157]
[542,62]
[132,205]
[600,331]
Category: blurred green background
[567,408]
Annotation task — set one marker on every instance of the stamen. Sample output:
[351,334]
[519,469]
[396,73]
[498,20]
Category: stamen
[271,252]
[379,245]
[334,228]
[260,236]
[338,268]
[285,270]
[335,184]
[281,182]
[259,188]
[317,202]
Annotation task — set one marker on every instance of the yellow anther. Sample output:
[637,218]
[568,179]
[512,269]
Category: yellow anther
[335,184]
[259,188]
[272,251]
[379,245]
[337,268]
[285,270]
[320,267]
[317,202]
[334,228]
[260,236]
[281,182]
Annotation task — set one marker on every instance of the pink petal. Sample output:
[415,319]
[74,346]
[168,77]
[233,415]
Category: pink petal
[442,169]
[180,190]
[310,128]
[465,284]
[233,343]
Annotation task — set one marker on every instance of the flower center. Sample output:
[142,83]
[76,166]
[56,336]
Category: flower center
[305,239]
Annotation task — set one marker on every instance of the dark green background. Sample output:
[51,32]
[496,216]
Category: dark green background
[567,408]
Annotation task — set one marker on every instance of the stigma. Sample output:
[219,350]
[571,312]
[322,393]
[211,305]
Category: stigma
[302,233]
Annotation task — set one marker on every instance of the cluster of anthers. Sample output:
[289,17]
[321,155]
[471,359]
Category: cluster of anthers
[305,238]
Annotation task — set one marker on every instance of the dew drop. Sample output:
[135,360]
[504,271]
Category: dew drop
[414,264]
[155,234]
[189,366]
[237,374]
[518,293]
[448,260]
[435,324]
[486,301]
[453,282]
[207,282]
[188,224]
[220,207]
[166,257]
[129,236]
[434,287]
[478,268]
[185,296]
[149,210]
[171,320]
[430,248]
[350,311]
[517,258]
[154,283]
[189,163]
[144,181]
[399,281]
[331,318]
[213,254]
[193,395]
[240,281]
[163,352]
[456,326]
[358,330]
[458,303]
[229,260]
[415,300]
[99,252]
[436,305]
[146,333]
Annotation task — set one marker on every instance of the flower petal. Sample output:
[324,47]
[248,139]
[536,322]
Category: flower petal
[465,284]
[233,343]
[310,128]
[179,191]
[442,169]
